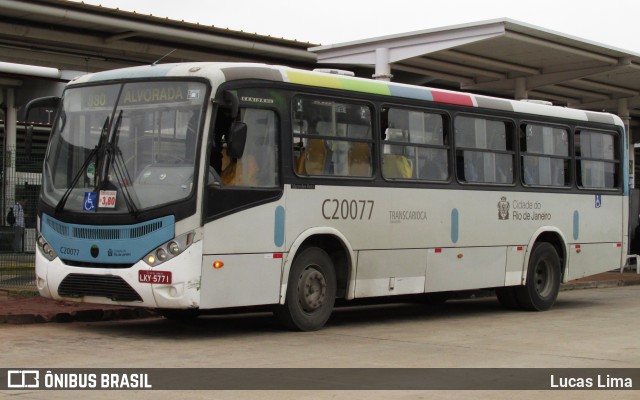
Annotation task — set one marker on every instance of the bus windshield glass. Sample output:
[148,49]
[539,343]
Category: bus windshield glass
[124,147]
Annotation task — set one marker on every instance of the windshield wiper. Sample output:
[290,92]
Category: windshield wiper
[76,177]
[120,169]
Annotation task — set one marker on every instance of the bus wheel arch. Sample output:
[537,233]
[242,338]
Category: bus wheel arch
[554,237]
[316,271]
[336,246]
[546,263]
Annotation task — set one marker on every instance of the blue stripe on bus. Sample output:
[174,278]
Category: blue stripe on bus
[278,230]
[454,225]
[576,225]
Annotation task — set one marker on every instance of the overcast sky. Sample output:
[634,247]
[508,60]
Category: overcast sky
[614,23]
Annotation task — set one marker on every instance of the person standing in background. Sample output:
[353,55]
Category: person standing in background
[18,228]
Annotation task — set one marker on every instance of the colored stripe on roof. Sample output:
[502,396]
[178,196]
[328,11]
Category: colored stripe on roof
[377,87]
[411,92]
[335,82]
[452,98]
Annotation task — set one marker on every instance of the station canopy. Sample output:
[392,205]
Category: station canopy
[503,58]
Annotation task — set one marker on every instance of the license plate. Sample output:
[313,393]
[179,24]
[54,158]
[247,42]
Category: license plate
[159,277]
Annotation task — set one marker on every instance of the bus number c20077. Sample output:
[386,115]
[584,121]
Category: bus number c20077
[347,209]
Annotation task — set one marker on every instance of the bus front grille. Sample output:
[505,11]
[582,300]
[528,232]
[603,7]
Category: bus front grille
[85,264]
[109,286]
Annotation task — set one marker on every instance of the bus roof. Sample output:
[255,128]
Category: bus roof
[219,72]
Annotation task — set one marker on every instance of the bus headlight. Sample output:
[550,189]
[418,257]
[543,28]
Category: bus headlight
[174,248]
[170,249]
[161,254]
[45,248]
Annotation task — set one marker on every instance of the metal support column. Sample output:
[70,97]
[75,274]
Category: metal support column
[11,117]
[521,92]
[383,65]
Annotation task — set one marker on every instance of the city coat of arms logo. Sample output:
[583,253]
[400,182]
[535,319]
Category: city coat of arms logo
[503,208]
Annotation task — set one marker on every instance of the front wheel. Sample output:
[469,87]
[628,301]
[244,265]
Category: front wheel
[311,291]
[543,279]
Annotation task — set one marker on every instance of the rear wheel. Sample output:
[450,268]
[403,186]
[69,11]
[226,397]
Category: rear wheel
[311,291]
[543,279]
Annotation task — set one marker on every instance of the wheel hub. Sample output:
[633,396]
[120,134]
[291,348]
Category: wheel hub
[312,290]
[542,278]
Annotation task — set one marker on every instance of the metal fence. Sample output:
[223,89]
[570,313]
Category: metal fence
[21,178]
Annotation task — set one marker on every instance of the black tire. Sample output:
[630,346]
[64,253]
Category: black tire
[311,292]
[543,279]
[507,298]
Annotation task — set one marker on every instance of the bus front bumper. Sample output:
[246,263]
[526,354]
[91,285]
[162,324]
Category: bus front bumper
[125,286]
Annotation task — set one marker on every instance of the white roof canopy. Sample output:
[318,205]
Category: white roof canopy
[504,58]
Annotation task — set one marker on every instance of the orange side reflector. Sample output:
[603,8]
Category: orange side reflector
[218,264]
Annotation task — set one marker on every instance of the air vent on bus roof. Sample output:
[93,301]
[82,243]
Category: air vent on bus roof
[334,71]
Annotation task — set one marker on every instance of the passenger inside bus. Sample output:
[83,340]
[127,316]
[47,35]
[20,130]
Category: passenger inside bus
[433,165]
[395,165]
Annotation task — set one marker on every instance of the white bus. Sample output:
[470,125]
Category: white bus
[201,186]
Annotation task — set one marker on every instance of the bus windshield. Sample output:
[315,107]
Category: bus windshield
[124,147]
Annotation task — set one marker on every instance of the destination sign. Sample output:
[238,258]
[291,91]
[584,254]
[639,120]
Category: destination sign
[147,93]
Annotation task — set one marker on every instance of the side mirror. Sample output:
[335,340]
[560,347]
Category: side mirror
[237,138]
[42,102]
[49,102]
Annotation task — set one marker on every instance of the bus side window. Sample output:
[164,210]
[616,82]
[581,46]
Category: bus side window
[331,138]
[545,155]
[597,160]
[415,145]
[484,150]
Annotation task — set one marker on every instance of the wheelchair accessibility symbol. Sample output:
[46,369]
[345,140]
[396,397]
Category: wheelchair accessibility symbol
[90,201]
[598,201]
